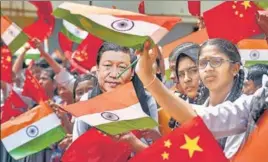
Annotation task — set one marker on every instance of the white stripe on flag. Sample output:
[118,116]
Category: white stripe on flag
[254,55]
[41,126]
[30,51]
[135,27]
[75,30]
[128,113]
[11,33]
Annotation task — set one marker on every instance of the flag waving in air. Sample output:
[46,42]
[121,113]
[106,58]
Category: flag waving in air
[191,142]
[121,27]
[121,112]
[31,132]
[6,64]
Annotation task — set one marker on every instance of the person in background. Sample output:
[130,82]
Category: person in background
[254,78]
[262,21]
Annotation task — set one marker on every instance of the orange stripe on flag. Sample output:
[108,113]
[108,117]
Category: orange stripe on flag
[165,21]
[252,44]
[5,23]
[256,146]
[196,37]
[25,119]
[120,98]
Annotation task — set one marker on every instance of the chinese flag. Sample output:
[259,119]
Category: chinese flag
[142,7]
[6,65]
[87,51]
[194,7]
[232,20]
[94,146]
[32,88]
[256,146]
[192,142]
[15,99]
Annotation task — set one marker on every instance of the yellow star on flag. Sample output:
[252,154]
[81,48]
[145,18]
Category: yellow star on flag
[165,155]
[246,4]
[8,59]
[167,143]
[191,145]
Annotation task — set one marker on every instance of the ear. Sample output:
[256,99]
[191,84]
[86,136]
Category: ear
[235,69]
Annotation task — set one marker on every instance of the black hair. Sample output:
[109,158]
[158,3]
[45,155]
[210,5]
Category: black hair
[231,51]
[50,72]
[107,46]
[255,73]
[81,78]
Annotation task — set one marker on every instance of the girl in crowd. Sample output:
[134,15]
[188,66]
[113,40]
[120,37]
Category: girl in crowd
[219,67]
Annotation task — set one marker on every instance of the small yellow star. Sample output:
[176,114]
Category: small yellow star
[241,15]
[191,145]
[167,143]
[236,12]
[246,4]
[234,7]
[165,155]
[8,59]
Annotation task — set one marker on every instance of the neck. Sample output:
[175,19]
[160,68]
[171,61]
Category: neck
[218,96]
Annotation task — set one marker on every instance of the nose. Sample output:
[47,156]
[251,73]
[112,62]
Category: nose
[40,82]
[208,67]
[172,76]
[186,78]
[113,72]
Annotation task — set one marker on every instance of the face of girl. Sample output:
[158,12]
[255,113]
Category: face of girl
[82,88]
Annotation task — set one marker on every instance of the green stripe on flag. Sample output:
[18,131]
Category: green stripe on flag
[115,128]
[18,42]
[71,36]
[33,56]
[122,39]
[250,63]
[38,143]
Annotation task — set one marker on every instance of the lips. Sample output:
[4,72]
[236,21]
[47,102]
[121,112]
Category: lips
[210,78]
[112,84]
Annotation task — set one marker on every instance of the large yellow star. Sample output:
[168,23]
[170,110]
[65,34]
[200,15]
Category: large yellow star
[165,155]
[8,59]
[246,4]
[191,145]
[167,143]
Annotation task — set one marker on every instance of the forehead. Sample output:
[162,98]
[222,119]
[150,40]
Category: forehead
[115,56]
[211,51]
[186,63]
[84,84]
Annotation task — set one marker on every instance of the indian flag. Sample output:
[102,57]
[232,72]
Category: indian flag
[31,132]
[121,27]
[12,35]
[113,112]
[73,33]
[253,51]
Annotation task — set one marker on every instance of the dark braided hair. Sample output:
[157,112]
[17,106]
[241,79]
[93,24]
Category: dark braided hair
[231,51]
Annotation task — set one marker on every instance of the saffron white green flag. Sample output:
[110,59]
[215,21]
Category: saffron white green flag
[113,112]
[73,32]
[31,132]
[12,35]
[121,27]
[254,56]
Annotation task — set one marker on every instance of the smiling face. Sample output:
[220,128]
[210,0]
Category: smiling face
[216,78]
[111,64]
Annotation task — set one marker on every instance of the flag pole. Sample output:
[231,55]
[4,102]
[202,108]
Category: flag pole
[130,66]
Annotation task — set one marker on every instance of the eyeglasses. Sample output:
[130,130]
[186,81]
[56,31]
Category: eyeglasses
[214,62]
[190,72]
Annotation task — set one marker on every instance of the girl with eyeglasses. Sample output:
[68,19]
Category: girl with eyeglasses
[219,68]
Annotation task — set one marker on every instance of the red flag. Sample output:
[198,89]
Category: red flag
[87,51]
[233,20]
[11,107]
[6,65]
[194,7]
[142,7]
[32,88]
[95,146]
[44,26]
[192,142]
[65,43]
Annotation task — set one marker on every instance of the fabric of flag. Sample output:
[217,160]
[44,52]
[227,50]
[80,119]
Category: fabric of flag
[191,142]
[194,7]
[95,146]
[239,16]
[121,112]
[121,27]
[253,51]
[43,27]
[262,4]
[6,64]
[87,51]
[16,100]
[65,43]
[12,35]
[32,53]
[31,132]
[73,33]
[142,7]
[32,88]
[256,146]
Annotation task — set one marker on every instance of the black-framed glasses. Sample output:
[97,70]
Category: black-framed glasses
[214,62]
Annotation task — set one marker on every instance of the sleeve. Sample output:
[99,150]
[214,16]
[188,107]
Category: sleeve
[66,79]
[226,119]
